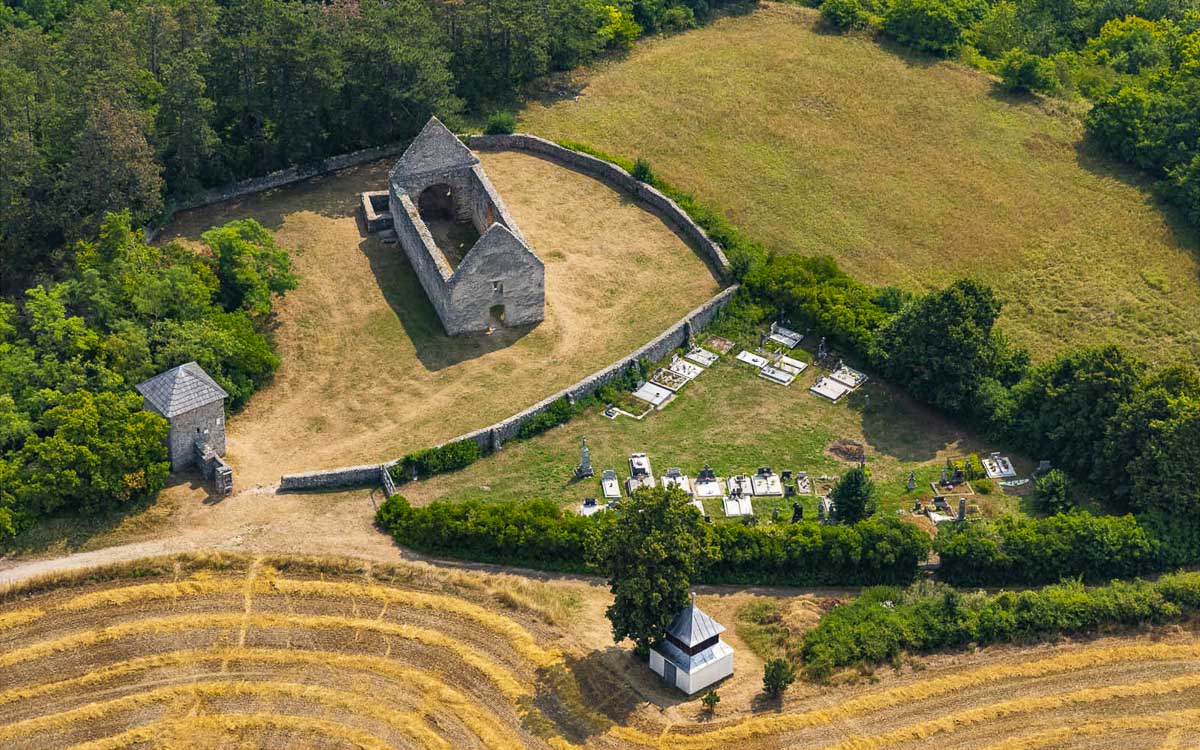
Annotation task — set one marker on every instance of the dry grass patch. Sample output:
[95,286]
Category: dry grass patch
[908,170]
[368,373]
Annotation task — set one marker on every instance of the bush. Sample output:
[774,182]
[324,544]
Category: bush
[710,701]
[845,14]
[777,675]
[883,623]
[439,460]
[501,123]
[642,171]
[679,18]
[1012,551]
[1024,71]
[814,291]
[934,26]
[875,551]
[1051,492]
[534,533]
[559,412]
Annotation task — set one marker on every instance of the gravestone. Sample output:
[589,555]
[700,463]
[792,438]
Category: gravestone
[584,470]
[958,475]
[822,352]
[797,513]
[775,514]
[945,478]
[912,481]
[962,509]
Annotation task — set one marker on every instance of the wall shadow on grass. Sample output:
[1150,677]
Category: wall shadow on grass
[400,287]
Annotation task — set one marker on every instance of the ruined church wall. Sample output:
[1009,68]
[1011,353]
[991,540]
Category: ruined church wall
[523,280]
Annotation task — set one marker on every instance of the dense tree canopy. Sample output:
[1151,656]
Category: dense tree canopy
[1064,407]
[73,434]
[107,106]
[943,346]
[650,555]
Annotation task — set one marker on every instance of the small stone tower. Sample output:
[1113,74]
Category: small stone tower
[194,406]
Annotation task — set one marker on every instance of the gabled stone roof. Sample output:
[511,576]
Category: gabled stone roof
[691,626]
[180,390]
[435,149]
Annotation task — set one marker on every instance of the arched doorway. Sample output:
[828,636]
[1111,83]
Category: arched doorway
[436,203]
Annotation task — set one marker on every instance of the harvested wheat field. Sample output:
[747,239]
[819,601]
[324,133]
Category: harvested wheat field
[279,652]
[368,373]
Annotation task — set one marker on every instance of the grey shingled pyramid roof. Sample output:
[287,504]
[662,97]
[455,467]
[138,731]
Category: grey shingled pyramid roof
[181,389]
[435,149]
[691,626]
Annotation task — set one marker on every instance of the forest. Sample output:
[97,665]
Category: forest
[108,105]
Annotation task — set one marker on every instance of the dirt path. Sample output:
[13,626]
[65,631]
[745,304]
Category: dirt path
[260,520]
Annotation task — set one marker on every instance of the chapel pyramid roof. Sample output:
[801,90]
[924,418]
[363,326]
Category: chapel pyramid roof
[180,390]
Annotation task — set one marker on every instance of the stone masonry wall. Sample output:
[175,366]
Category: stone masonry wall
[186,427]
[494,436]
[614,176]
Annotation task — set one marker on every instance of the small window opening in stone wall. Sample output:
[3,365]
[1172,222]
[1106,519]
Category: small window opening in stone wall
[498,287]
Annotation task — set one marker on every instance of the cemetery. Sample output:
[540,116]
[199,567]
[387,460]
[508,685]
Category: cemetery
[716,445]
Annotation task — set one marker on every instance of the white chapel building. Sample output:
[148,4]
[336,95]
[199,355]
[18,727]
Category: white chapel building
[692,656]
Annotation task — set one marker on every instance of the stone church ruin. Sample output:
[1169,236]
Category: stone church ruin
[466,249]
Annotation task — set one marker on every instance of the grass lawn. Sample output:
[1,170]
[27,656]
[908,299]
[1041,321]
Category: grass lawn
[735,421]
[368,372]
[909,171]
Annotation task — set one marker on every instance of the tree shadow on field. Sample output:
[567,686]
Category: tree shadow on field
[334,195]
[895,425]
[400,287]
[907,55]
[72,532]
[1089,156]
[581,698]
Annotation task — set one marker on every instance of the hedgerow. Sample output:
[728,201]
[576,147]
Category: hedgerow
[539,534]
[885,622]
